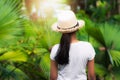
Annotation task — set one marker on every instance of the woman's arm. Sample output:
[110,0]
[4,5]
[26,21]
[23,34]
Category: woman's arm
[91,73]
[53,70]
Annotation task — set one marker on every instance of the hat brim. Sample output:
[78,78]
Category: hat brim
[80,22]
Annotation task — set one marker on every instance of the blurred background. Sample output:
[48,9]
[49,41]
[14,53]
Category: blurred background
[26,37]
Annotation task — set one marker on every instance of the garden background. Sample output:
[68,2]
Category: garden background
[26,37]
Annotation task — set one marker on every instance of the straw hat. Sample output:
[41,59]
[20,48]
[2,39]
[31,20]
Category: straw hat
[67,22]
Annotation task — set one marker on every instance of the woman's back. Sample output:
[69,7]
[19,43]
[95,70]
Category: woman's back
[79,54]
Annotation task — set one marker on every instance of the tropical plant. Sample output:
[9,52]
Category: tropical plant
[21,56]
[10,32]
[10,22]
[107,35]
[37,42]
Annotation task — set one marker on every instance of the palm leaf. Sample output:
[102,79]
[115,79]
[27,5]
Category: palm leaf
[45,65]
[13,72]
[30,30]
[116,57]
[43,60]
[9,20]
[105,34]
[110,33]
[14,56]
[96,34]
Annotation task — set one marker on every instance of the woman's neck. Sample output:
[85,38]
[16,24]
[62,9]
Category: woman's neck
[74,38]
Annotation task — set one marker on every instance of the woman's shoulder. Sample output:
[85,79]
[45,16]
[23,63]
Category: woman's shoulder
[85,42]
[55,46]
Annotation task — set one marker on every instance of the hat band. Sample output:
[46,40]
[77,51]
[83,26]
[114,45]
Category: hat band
[68,28]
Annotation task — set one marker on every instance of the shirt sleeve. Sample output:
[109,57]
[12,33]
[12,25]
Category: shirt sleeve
[53,52]
[91,52]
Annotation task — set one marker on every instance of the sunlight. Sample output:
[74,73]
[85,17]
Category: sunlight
[49,7]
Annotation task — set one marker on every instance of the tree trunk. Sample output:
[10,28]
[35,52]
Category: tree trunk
[28,5]
[118,6]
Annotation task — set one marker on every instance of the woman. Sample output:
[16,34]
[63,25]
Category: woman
[70,58]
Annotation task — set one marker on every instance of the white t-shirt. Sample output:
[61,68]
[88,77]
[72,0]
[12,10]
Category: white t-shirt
[79,54]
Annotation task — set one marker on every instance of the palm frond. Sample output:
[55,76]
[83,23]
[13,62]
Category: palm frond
[11,71]
[96,34]
[107,35]
[14,56]
[45,65]
[110,33]
[10,22]
[43,60]
[116,57]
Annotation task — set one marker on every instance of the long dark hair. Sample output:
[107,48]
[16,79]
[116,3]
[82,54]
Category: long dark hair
[62,56]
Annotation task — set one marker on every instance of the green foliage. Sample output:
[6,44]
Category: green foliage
[48,37]
[107,35]
[14,56]
[100,11]
[98,36]
[110,33]
[45,65]
[26,58]
[12,72]
[117,17]
[116,57]
[10,22]
[100,70]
